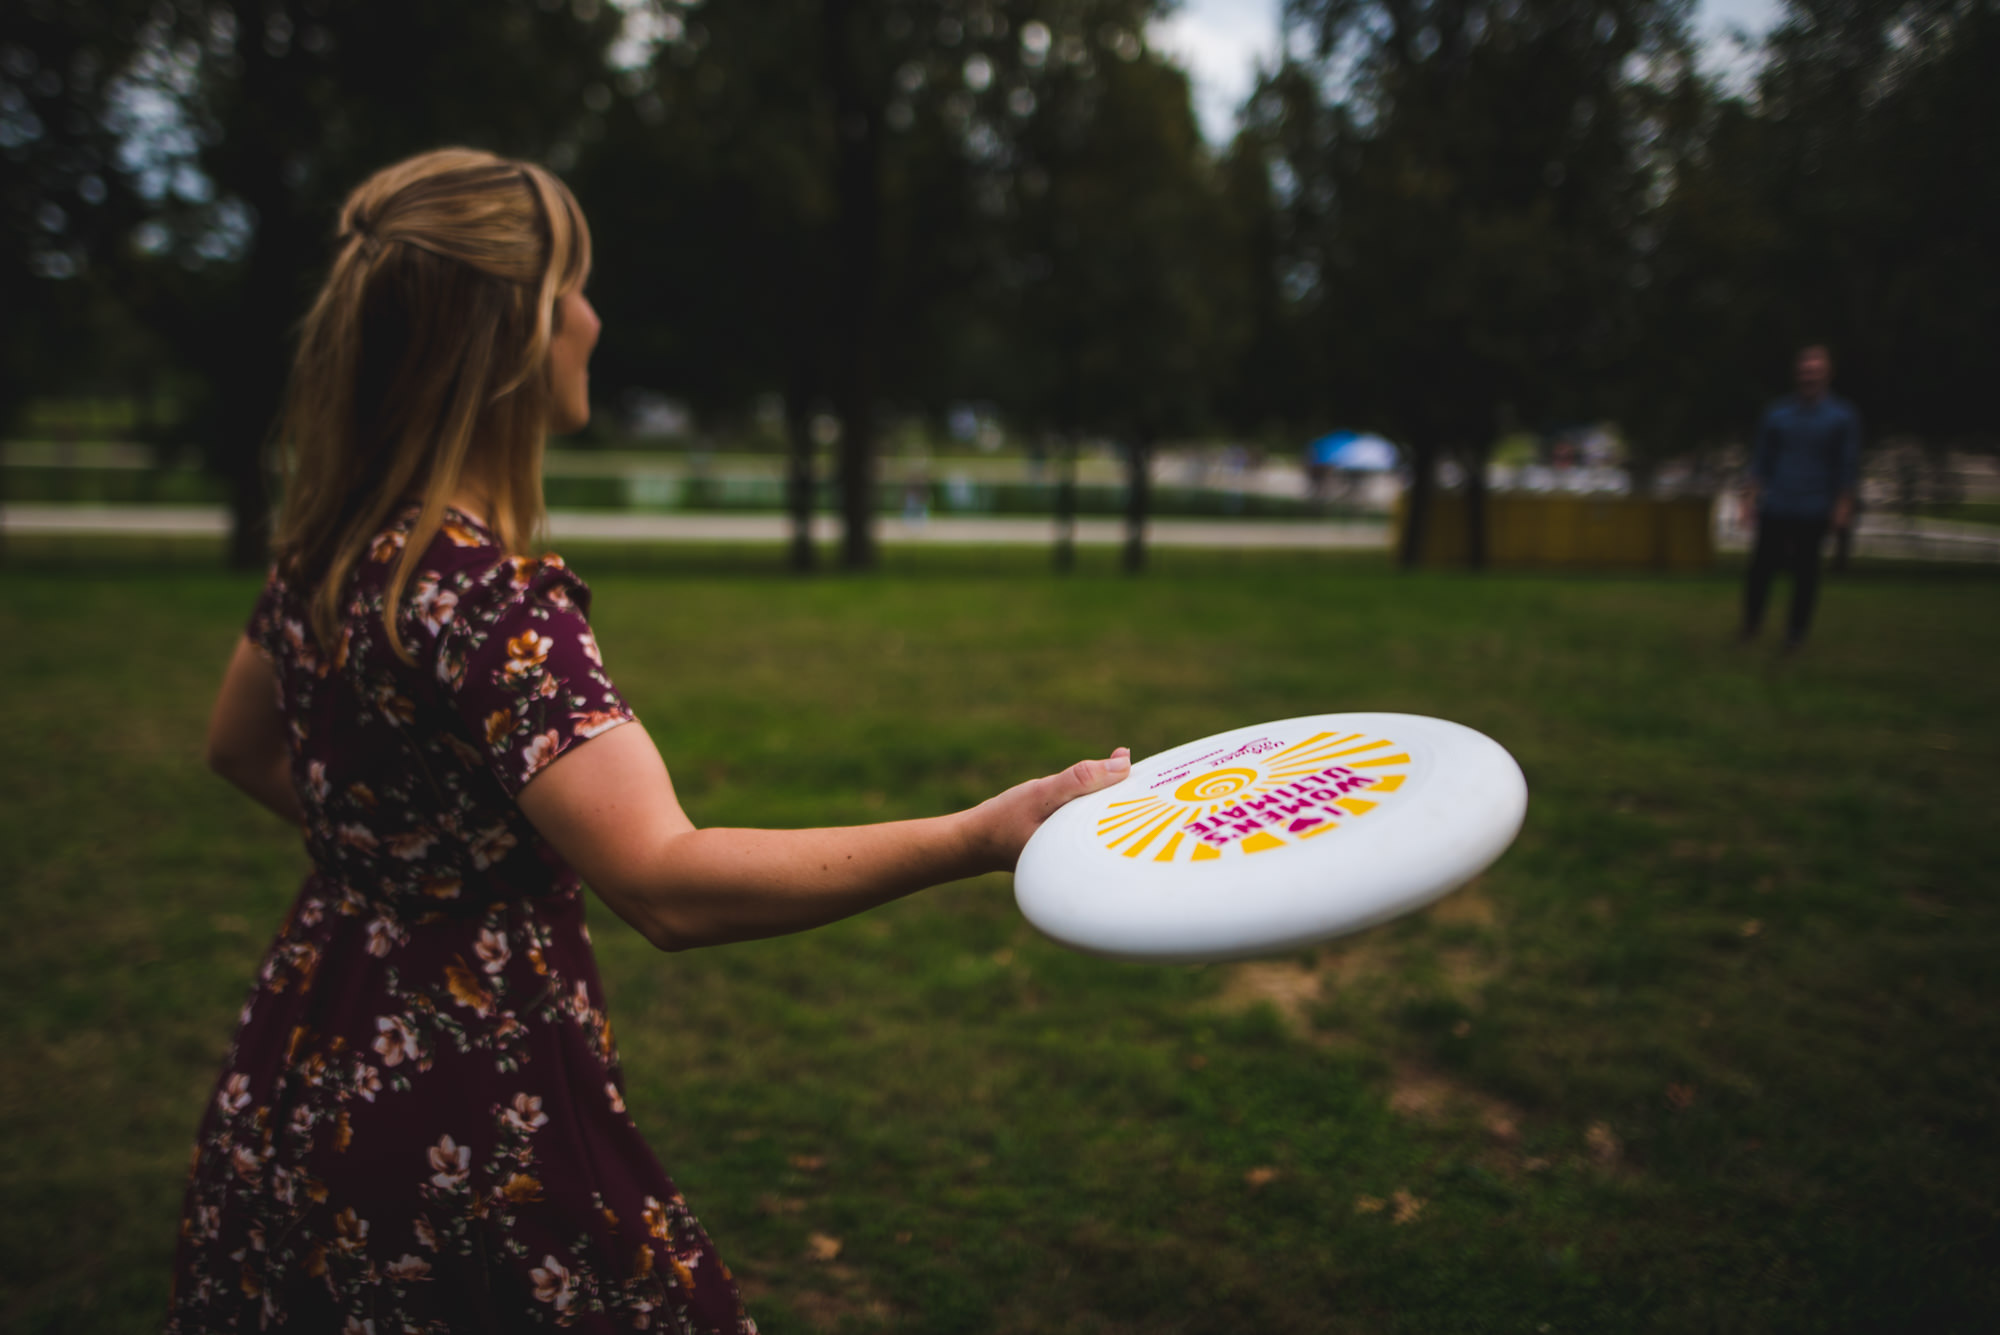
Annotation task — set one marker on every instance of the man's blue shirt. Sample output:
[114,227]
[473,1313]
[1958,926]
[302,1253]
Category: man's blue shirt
[1807,455]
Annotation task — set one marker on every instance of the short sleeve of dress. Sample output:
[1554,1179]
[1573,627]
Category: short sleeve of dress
[522,669]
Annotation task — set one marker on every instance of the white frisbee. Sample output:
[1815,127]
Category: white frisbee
[1272,837]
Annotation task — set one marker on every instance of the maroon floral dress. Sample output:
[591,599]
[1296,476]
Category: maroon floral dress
[420,1125]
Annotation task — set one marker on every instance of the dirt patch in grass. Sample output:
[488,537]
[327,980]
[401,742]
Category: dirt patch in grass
[1427,1095]
[1288,987]
[1468,906]
[826,1296]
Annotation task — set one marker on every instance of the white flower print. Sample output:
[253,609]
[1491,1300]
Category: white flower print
[493,950]
[541,749]
[384,934]
[552,1284]
[435,606]
[408,1267]
[302,646]
[490,845]
[234,1096]
[411,844]
[452,1161]
[588,643]
[526,1115]
[617,1099]
[397,1042]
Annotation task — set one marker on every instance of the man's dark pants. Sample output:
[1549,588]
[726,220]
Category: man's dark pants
[1791,545]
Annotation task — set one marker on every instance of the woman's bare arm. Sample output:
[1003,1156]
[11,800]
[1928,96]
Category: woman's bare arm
[246,734]
[608,806]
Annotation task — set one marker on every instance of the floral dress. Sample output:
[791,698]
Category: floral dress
[420,1125]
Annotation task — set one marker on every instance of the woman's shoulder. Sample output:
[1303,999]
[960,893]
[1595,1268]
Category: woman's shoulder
[463,555]
[467,579]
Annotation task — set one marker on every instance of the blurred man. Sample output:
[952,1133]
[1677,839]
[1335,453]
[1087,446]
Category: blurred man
[1802,479]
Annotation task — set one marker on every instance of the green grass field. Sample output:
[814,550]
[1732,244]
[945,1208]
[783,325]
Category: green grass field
[1711,1049]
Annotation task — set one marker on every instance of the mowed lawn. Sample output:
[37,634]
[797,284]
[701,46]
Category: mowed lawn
[1711,1049]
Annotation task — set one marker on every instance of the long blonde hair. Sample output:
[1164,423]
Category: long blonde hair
[430,336]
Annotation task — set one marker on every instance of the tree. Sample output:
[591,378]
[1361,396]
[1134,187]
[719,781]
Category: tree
[1840,200]
[289,105]
[1119,283]
[66,208]
[712,205]
[862,200]
[1874,162]
[1467,181]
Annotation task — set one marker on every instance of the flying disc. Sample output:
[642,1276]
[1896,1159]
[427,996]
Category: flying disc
[1272,837]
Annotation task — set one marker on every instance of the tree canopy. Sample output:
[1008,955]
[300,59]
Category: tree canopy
[1440,219]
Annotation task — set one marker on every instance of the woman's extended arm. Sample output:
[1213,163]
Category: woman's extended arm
[609,808]
[246,734]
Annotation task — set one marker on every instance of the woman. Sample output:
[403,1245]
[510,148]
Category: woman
[420,1124]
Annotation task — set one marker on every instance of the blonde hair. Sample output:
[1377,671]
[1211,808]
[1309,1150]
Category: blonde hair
[430,335]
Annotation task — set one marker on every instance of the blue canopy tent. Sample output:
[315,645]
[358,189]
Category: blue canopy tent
[1353,452]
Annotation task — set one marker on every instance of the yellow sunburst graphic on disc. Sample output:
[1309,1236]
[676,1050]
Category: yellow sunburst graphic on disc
[1254,797]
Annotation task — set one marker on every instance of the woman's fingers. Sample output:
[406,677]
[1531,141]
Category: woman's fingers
[1079,780]
[1089,776]
[1008,820]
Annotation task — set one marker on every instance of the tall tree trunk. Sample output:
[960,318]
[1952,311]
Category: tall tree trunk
[1138,499]
[249,350]
[1064,458]
[1417,502]
[800,478]
[248,368]
[857,244]
[1475,508]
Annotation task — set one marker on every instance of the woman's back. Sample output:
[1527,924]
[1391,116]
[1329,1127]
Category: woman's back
[422,1109]
[407,770]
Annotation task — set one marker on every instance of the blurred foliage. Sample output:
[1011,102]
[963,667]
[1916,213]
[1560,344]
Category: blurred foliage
[1445,220]
[1464,189]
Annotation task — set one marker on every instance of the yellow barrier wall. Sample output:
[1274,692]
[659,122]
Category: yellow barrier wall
[1597,532]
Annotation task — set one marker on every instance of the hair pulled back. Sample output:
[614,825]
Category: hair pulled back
[429,340]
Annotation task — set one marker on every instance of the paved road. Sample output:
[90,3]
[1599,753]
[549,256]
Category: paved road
[1881,535]
[600,525]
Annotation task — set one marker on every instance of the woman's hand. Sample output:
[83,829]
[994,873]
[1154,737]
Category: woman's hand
[1005,822]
